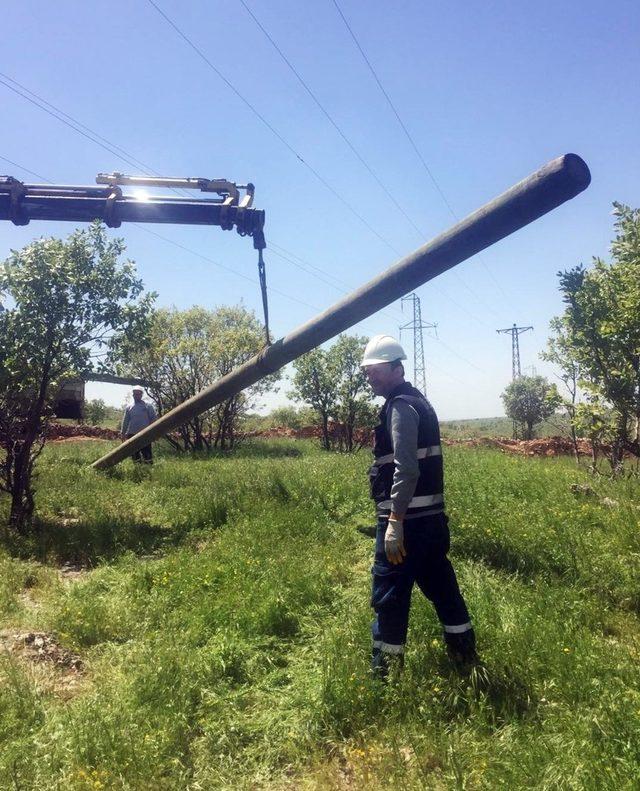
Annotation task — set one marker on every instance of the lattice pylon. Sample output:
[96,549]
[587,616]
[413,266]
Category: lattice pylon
[417,325]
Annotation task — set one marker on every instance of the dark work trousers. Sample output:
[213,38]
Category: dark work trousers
[426,541]
[142,455]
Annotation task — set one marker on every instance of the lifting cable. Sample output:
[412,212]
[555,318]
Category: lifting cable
[260,244]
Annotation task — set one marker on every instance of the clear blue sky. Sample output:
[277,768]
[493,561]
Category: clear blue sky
[489,90]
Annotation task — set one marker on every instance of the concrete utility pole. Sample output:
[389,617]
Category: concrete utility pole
[546,189]
[417,325]
[516,332]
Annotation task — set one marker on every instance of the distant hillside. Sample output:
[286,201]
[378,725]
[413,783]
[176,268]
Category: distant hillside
[498,427]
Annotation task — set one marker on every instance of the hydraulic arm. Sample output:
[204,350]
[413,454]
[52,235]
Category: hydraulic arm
[21,203]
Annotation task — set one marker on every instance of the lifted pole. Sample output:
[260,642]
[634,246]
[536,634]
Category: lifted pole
[558,181]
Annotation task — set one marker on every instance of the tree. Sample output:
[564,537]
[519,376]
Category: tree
[334,385]
[95,411]
[530,400]
[594,420]
[315,383]
[354,407]
[286,416]
[560,353]
[186,351]
[71,302]
[601,323]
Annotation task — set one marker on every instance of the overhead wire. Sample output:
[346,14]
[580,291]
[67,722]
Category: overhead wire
[271,128]
[222,266]
[183,247]
[77,126]
[285,257]
[352,147]
[26,170]
[108,145]
[245,277]
[332,120]
[365,164]
[407,133]
[298,156]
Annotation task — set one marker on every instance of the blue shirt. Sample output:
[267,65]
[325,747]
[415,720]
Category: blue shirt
[137,416]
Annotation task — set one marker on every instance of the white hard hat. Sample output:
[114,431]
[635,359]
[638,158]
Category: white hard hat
[137,388]
[382,349]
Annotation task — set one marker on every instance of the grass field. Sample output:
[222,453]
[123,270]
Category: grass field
[223,626]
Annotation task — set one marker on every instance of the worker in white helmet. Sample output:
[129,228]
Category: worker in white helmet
[137,416]
[412,538]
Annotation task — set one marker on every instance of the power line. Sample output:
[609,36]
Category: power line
[229,269]
[180,246]
[431,284]
[26,170]
[407,133]
[68,120]
[395,112]
[459,356]
[291,261]
[353,149]
[73,126]
[222,266]
[72,123]
[272,129]
[332,121]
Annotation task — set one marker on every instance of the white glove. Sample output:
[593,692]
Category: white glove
[394,541]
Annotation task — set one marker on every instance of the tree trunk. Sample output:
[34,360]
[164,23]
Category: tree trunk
[21,493]
[326,444]
[594,455]
[618,444]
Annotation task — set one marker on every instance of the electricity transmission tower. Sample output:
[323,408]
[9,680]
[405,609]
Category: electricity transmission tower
[417,325]
[515,348]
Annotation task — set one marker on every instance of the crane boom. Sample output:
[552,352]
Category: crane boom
[21,203]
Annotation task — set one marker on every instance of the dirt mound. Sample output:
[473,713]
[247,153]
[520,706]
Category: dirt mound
[41,647]
[546,446]
[63,431]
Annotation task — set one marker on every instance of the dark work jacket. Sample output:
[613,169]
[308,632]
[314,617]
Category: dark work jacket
[428,497]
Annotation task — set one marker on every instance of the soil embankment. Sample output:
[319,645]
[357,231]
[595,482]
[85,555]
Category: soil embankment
[545,446]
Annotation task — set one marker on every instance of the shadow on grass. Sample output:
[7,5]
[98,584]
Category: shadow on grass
[513,560]
[249,449]
[87,543]
[500,694]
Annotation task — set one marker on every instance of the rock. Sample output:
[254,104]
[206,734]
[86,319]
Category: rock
[582,488]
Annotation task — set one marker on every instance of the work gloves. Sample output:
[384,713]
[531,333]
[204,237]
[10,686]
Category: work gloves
[394,542]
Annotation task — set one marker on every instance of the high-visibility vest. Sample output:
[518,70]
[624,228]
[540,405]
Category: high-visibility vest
[428,497]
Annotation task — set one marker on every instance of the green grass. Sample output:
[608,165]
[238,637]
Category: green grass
[224,626]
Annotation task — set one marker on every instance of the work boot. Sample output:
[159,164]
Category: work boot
[383,663]
[461,648]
